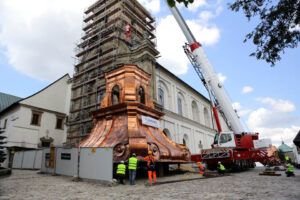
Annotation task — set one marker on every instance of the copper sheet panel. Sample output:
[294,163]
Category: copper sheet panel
[120,125]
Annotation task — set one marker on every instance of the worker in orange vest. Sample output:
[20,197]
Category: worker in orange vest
[151,167]
[201,168]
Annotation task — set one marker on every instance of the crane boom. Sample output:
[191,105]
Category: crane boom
[213,85]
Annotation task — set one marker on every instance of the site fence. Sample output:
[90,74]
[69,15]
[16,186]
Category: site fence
[85,162]
[27,159]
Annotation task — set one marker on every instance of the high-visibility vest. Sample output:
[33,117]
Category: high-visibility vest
[290,169]
[121,169]
[287,158]
[132,163]
[150,160]
[222,167]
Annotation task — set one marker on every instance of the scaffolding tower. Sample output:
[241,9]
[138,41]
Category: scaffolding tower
[103,47]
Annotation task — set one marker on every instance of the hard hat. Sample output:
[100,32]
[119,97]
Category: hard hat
[122,161]
[149,152]
[219,162]
[134,154]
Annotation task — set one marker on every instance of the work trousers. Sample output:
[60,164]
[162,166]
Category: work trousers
[121,178]
[288,174]
[221,171]
[132,175]
[151,172]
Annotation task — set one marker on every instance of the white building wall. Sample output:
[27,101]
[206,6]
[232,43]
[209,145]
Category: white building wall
[51,102]
[185,126]
[53,98]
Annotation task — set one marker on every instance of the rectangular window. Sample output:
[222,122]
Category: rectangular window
[36,118]
[65,156]
[45,144]
[47,156]
[59,123]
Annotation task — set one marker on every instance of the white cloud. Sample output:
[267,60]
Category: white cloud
[152,5]
[205,16]
[39,35]
[244,112]
[197,4]
[247,89]
[236,105]
[278,105]
[274,122]
[221,77]
[170,40]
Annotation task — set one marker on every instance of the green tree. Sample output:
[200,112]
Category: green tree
[185,2]
[278,28]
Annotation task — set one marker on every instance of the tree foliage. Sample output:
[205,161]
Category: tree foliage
[185,2]
[278,29]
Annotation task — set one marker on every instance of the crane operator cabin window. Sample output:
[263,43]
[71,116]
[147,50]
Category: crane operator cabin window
[225,138]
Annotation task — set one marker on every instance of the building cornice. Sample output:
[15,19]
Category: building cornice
[189,121]
[43,110]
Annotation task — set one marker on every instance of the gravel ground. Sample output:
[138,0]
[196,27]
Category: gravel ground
[23,184]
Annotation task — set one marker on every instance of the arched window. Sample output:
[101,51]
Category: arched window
[141,95]
[195,111]
[185,140]
[167,133]
[115,95]
[206,117]
[161,97]
[179,104]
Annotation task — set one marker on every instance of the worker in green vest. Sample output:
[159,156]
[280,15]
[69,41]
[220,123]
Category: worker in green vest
[221,168]
[132,164]
[287,158]
[289,170]
[121,170]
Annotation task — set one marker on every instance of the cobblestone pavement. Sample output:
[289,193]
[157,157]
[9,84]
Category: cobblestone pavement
[24,184]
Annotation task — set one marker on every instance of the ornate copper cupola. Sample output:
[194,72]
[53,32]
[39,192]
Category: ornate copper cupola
[128,121]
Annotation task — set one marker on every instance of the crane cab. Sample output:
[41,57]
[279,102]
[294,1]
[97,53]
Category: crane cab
[235,140]
[224,139]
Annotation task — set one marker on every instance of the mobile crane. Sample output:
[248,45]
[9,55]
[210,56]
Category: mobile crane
[236,149]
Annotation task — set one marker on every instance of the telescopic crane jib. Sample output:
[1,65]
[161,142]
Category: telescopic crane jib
[205,71]
[237,149]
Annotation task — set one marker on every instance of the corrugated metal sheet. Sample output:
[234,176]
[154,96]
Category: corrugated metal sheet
[6,100]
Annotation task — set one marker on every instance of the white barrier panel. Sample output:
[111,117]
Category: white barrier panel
[46,162]
[18,158]
[28,159]
[66,162]
[38,159]
[96,163]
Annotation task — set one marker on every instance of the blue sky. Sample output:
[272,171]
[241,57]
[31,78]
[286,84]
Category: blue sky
[37,43]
